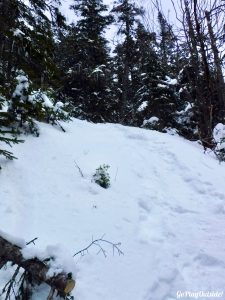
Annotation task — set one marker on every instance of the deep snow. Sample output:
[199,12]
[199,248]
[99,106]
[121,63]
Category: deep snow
[166,205]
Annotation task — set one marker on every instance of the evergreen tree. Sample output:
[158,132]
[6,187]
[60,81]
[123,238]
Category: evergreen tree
[143,78]
[146,72]
[127,18]
[168,47]
[26,57]
[155,92]
[26,41]
[87,76]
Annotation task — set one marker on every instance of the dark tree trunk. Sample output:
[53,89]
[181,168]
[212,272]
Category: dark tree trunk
[200,81]
[220,88]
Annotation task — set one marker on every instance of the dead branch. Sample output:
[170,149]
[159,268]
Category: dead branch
[97,242]
[34,270]
[79,169]
[32,241]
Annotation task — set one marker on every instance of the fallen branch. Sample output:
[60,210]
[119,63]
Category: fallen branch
[97,243]
[9,285]
[35,271]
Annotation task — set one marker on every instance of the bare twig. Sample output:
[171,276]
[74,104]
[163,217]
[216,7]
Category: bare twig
[79,169]
[32,241]
[97,243]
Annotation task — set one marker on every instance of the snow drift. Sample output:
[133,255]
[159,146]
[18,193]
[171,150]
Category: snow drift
[165,204]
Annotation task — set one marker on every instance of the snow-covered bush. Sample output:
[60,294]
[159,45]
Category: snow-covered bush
[151,123]
[49,112]
[219,137]
[186,122]
[101,176]
[27,106]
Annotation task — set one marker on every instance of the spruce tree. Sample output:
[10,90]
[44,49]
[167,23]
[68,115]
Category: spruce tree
[26,41]
[155,96]
[27,57]
[87,76]
[127,18]
[168,47]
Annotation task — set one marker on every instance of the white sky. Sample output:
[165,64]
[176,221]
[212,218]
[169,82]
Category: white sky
[166,5]
[111,32]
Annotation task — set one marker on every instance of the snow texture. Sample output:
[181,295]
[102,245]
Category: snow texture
[166,205]
[171,81]
[153,120]
[162,86]
[12,239]
[18,32]
[142,106]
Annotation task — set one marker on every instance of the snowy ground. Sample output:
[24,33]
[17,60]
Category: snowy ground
[166,205]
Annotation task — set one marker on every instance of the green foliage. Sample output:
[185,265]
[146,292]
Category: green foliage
[9,140]
[7,136]
[101,176]
[83,57]
[220,154]
[27,41]
[27,106]
[128,17]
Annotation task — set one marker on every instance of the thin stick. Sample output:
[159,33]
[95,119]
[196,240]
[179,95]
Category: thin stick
[32,241]
[79,169]
[97,243]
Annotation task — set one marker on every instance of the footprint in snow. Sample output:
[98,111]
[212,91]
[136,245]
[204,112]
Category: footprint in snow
[208,260]
[139,175]
[92,190]
[219,209]
[137,137]
[127,220]
[181,210]
[218,195]
[152,229]
[145,206]
[162,288]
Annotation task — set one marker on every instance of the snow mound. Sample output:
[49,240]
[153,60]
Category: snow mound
[165,204]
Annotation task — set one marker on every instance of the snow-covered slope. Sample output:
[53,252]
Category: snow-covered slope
[166,205]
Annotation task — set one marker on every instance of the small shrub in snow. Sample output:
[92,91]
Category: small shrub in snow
[101,176]
[219,137]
